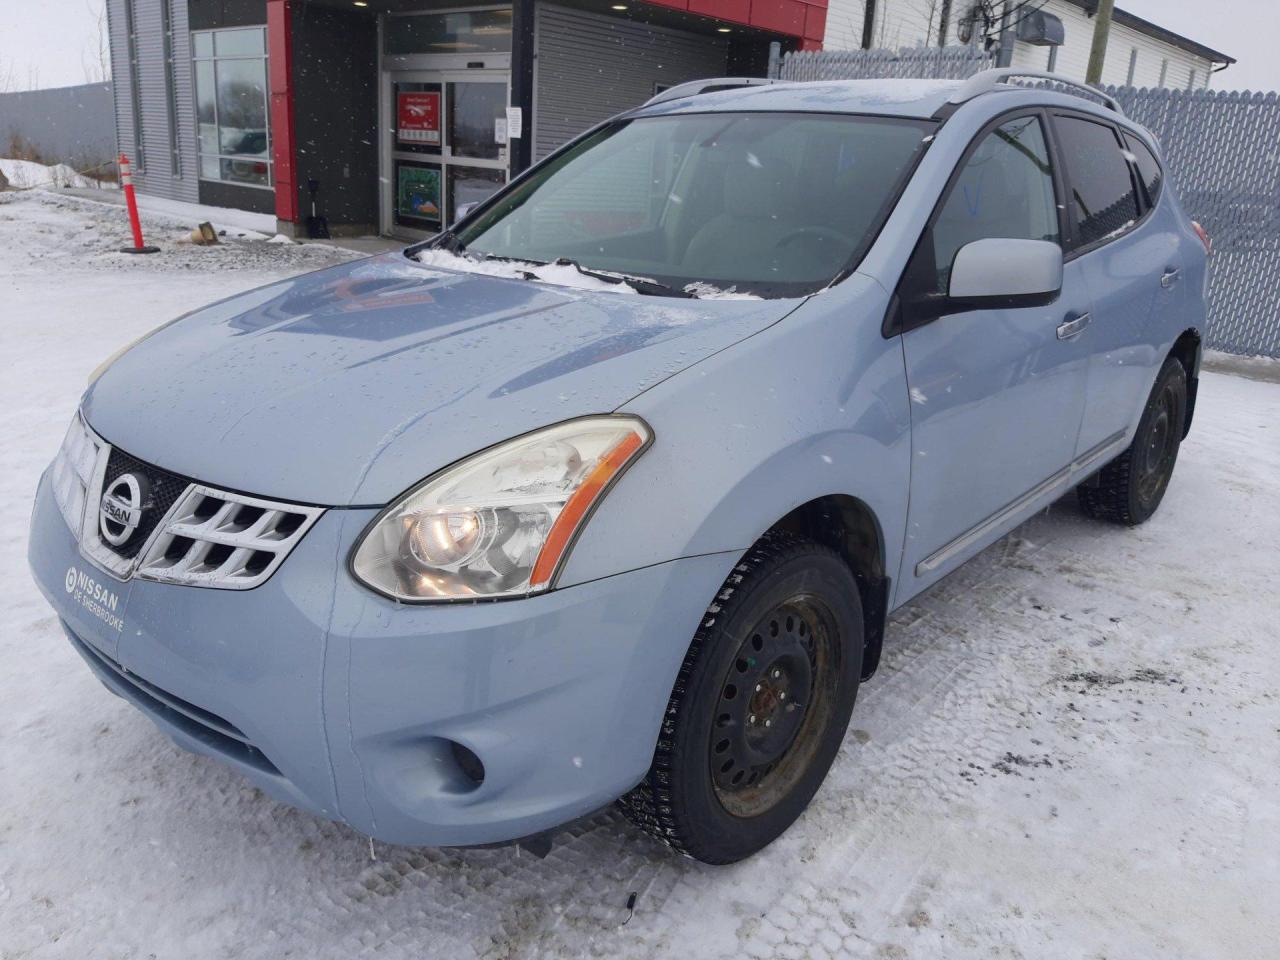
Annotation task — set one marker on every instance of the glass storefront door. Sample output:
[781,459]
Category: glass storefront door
[444,145]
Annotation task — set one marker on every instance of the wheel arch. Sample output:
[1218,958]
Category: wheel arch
[851,528]
[1187,350]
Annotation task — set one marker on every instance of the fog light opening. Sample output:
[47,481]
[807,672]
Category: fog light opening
[468,763]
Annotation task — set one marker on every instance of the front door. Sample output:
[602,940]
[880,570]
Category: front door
[996,395]
[444,144]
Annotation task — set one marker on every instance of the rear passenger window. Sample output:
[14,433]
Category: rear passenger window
[1005,191]
[1148,168]
[1103,198]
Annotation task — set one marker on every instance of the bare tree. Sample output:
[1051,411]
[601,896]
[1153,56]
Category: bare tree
[12,81]
[8,80]
[96,56]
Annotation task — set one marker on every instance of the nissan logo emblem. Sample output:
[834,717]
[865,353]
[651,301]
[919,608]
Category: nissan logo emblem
[120,511]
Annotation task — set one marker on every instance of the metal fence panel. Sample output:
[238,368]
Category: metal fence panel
[1222,150]
[909,63]
[71,125]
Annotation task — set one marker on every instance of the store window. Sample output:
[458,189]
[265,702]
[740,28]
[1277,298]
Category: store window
[232,105]
[463,31]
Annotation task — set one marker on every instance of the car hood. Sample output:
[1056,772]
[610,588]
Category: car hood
[348,385]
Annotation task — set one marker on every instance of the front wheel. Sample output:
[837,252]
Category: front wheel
[1129,489]
[760,706]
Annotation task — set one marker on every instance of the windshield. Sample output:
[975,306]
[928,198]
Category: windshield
[770,204]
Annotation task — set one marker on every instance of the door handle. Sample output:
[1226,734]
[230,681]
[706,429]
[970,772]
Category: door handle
[1169,278]
[1074,327]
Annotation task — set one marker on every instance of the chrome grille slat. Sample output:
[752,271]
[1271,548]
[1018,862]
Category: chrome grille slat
[231,572]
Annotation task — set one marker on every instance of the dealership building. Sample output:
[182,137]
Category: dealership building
[392,114]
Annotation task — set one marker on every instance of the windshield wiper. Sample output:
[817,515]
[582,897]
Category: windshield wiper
[449,241]
[642,285]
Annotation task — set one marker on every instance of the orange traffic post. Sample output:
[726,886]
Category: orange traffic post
[131,201]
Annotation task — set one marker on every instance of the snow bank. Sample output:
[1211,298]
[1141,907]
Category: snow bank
[27,173]
[242,222]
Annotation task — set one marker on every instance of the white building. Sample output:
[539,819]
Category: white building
[1139,53]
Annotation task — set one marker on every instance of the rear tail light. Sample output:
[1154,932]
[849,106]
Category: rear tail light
[1204,236]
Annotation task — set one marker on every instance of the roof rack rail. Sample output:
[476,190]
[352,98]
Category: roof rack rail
[710,85]
[987,80]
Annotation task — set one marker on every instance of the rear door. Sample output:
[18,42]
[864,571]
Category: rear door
[1130,258]
[996,395]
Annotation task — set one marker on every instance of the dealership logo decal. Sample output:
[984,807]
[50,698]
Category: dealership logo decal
[120,511]
[96,598]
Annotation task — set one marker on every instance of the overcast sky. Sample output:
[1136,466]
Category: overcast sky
[51,40]
[1248,30]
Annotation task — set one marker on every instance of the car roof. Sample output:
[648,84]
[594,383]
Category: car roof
[986,92]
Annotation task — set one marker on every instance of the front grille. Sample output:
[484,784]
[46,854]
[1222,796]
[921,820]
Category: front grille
[165,488]
[228,540]
[187,532]
[198,723]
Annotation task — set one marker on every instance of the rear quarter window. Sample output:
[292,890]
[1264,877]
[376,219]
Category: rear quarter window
[1103,199]
[1149,170]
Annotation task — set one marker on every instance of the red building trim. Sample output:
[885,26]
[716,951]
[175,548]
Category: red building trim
[802,19]
[280,73]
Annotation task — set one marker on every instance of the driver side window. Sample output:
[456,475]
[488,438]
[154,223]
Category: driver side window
[1005,191]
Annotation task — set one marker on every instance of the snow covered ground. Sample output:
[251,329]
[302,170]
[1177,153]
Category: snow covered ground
[1071,750]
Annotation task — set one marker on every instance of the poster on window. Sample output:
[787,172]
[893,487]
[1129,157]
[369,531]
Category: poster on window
[418,117]
[418,195]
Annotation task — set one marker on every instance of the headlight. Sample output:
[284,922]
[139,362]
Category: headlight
[72,472]
[500,523]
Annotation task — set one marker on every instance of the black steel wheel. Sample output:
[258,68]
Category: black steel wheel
[775,701]
[1130,488]
[760,706]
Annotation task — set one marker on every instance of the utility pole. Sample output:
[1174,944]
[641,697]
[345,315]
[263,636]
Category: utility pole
[868,24]
[944,22]
[1004,49]
[1101,33]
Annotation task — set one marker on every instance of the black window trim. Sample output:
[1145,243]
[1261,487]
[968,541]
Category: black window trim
[1076,250]
[1148,202]
[894,322]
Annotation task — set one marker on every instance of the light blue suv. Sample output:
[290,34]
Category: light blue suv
[607,491]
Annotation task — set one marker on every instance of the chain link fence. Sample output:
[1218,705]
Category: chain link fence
[909,63]
[1222,150]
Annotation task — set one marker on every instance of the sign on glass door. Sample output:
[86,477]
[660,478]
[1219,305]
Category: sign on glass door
[418,195]
[418,117]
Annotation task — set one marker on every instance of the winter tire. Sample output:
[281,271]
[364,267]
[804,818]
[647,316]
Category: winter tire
[760,706]
[1129,489]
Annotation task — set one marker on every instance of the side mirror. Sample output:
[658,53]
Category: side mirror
[463,209]
[1005,274]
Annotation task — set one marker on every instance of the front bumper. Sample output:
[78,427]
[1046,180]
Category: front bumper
[345,704]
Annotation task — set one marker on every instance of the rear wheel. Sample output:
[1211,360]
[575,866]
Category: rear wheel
[760,706]
[1130,488]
